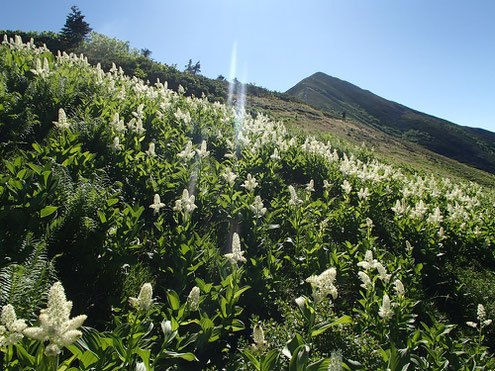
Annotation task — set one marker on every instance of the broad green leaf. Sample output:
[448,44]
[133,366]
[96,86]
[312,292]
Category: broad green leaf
[173,299]
[270,360]
[323,326]
[47,211]
[251,359]
[186,356]
[145,355]
[102,216]
[299,358]
[240,291]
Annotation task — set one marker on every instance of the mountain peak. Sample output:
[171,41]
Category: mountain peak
[334,96]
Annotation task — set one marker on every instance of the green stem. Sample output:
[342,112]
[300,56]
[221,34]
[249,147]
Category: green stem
[131,345]
[53,363]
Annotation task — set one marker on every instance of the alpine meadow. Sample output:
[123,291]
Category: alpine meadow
[144,227]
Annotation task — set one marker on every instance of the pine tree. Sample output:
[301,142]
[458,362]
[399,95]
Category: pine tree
[194,69]
[76,29]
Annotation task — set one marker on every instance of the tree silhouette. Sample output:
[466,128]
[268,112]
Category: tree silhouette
[145,52]
[75,30]
[194,69]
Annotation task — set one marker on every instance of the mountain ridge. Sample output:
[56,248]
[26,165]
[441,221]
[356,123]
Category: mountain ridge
[473,146]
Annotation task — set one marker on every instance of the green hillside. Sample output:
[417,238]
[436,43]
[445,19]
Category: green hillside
[145,229]
[475,147]
[356,136]
[107,51]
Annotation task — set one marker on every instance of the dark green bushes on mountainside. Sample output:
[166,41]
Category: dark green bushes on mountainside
[475,147]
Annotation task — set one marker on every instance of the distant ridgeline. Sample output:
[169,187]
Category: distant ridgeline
[475,147]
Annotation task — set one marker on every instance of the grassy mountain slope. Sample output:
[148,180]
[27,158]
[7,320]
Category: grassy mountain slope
[301,117]
[475,147]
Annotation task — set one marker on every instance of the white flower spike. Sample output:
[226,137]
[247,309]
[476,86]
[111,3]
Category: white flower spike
[55,324]
[236,254]
[157,204]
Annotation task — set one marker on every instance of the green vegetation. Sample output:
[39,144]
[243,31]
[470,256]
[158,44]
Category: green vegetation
[475,147]
[192,236]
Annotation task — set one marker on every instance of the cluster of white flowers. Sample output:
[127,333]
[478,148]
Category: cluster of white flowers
[419,210]
[118,124]
[42,71]
[369,264]
[136,126]
[237,254]
[275,156]
[157,204]
[399,288]
[151,150]
[310,187]
[185,203]
[257,207]
[17,44]
[11,327]
[138,113]
[202,152]
[481,316]
[435,217]
[250,183]
[385,310]
[144,300]
[323,284]
[382,272]
[193,299]
[260,131]
[335,363]
[294,199]
[400,208]
[229,176]
[62,122]
[72,59]
[258,337]
[346,187]
[367,283]
[363,194]
[115,146]
[185,117]
[55,324]
[188,153]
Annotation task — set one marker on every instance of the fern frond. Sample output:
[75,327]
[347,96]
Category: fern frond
[25,285]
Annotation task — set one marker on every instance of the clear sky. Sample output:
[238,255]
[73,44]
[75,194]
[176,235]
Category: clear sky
[435,56]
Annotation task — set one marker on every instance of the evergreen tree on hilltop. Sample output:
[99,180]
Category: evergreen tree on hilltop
[75,30]
[194,69]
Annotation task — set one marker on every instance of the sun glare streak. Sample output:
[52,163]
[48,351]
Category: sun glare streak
[241,100]
[233,63]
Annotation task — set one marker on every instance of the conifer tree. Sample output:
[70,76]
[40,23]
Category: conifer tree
[194,69]
[75,30]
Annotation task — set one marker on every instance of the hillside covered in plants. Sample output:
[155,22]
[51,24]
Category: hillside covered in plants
[141,228]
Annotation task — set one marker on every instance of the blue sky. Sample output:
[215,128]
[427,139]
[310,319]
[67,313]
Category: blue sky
[436,56]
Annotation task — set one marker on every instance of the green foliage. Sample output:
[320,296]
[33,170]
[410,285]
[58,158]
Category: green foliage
[24,284]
